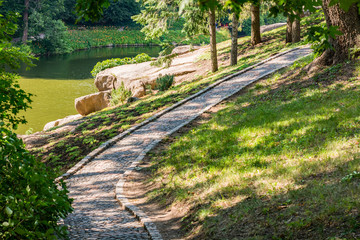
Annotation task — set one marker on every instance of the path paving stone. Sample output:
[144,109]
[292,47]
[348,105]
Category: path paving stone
[97,215]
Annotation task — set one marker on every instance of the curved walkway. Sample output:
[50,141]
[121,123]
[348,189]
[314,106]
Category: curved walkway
[97,214]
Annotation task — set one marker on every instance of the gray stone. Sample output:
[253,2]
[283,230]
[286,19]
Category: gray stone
[62,121]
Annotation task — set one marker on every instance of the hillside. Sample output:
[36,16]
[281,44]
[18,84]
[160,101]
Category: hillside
[278,161]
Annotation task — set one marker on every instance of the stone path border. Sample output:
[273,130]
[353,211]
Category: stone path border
[126,138]
[113,140]
[150,227]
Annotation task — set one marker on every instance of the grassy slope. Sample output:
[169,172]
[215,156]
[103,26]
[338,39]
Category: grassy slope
[271,165]
[62,151]
[103,36]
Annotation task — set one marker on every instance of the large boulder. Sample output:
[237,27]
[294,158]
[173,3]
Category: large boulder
[93,102]
[105,82]
[137,88]
[61,121]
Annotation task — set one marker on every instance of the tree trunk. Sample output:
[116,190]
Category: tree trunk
[296,30]
[212,30]
[26,22]
[348,23]
[255,24]
[234,40]
[289,30]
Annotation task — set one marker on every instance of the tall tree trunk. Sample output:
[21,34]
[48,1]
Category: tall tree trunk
[212,30]
[296,30]
[289,25]
[234,40]
[26,22]
[348,23]
[255,24]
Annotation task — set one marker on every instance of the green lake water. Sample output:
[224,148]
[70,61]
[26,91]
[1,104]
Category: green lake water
[57,80]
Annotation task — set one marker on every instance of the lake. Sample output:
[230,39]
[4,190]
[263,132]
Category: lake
[57,80]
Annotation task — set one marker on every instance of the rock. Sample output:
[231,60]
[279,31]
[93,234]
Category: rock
[137,88]
[184,49]
[61,121]
[136,76]
[132,99]
[105,82]
[93,102]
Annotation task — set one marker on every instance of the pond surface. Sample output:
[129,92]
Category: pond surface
[57,80]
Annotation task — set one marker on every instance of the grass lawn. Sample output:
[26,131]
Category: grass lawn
[281,161]
[62,151]
[103,36]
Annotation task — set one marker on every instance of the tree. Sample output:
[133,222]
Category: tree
[212,30]
[292,9]
[40,20]
[255,23]
[345,16]
[118,13]
[26,22]
[200,16]
[295,29]
[234,39]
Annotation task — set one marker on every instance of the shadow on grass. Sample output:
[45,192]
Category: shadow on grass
[302,134]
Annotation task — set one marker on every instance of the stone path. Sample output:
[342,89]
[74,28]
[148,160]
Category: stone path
[97,214]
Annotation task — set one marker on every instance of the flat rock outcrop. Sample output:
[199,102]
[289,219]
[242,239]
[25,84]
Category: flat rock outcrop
[93,102]
[61,121]
[137,76]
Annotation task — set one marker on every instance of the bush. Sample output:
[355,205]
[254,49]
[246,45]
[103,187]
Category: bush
[119,95]
[114,62]
[30,202]
[164,83]
[13,100]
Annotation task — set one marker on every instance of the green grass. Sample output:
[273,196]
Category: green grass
[106,124]
[279,162]
[103,36]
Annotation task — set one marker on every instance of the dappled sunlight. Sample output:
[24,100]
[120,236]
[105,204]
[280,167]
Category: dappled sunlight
[273,161]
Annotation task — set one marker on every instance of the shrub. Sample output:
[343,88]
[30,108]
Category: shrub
[119,95]
[13,100]
[164,83]
[30,202]
[114,62]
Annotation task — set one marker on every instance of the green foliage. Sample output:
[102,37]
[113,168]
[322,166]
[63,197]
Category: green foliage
[163,83]
[91,9]
[113,62]
[49,34]
[119,95]
[319,37]
[265,19]
[53,37]
[118,13]
[30,202]
[345,4]
[12,100]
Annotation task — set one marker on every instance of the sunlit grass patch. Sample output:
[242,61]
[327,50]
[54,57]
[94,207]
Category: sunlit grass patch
[271,164]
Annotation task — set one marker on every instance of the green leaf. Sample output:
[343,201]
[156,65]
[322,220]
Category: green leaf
[8,211]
